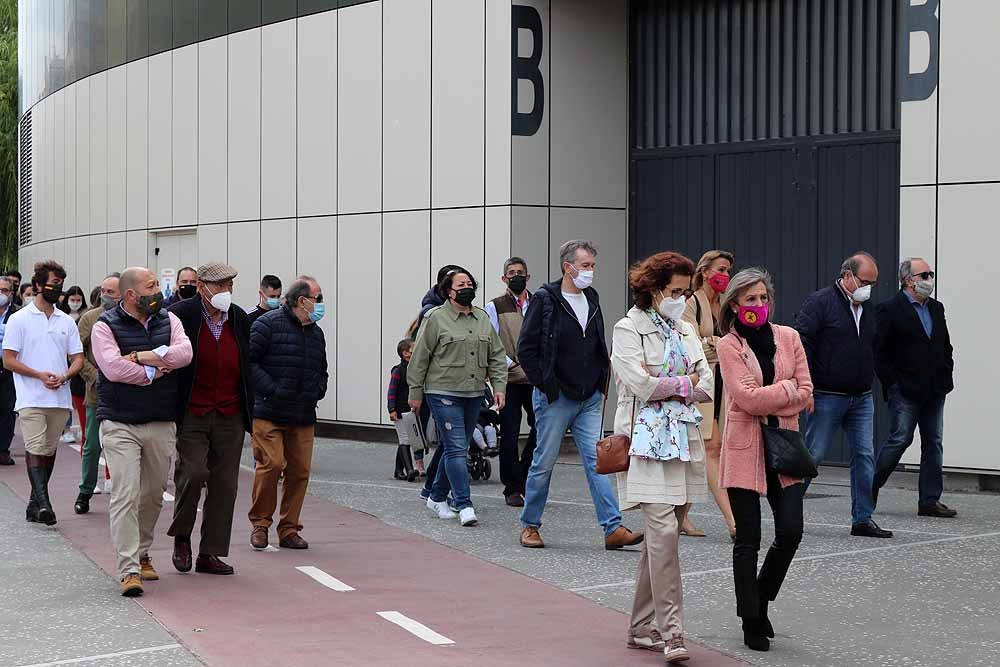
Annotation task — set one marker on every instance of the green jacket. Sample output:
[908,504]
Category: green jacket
[456,352]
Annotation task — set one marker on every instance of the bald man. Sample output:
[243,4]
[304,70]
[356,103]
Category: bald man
[136,346]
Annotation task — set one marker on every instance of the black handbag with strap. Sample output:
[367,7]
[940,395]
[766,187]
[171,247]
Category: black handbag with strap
[785,452]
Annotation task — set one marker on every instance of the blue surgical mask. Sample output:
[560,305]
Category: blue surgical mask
[318,311]
[273,302]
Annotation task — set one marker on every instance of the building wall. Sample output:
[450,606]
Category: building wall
[365,146]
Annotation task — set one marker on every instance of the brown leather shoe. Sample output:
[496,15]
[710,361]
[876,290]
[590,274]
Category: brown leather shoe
[182,553]
[622,537]
[131,585]
[531,539]
[293,541]
[146,570]
[212,565]
[258,538]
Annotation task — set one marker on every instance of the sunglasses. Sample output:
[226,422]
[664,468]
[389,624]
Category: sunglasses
[925,275]
[318,298]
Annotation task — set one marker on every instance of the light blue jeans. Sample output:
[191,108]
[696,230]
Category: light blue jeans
[583,418]
[457,418]
[856,415]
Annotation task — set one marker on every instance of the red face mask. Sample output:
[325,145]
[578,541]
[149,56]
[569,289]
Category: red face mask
[719,282]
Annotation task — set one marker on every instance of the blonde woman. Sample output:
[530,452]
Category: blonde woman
[711,278]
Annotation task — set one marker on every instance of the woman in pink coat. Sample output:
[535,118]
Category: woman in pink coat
[766,379]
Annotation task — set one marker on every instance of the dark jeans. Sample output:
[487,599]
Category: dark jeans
[208,451]
[514,469]
[431,469]
[7,415]
[786,505]
[906,416]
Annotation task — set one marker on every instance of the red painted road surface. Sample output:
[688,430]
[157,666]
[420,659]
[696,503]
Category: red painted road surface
[269,613]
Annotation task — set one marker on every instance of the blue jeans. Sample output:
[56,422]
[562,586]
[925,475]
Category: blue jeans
[457,418]
[906,416]
[583,418]
[855,414]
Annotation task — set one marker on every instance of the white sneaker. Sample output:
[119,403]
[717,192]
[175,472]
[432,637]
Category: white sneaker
[67,438]
[468,517]
[442,509]
[107,486]
[97,490]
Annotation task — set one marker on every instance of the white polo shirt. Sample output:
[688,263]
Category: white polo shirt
[43,343]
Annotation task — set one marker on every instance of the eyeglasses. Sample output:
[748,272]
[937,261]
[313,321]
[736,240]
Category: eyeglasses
[924,275]
[686,293]
[318,298]
[865,283]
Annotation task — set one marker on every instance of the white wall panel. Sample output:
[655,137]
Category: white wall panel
[213,244]
[68,163]
[359,240]
[530,154]
[917,222]
[589,101]
[317,248]
[83,159]
[57,165]
[117,172]
[137,149]
[967,212]
[244,125]
[406,127]
[277,253]
[967,63]
[161,101]
[918,141]
[498,72]
[317,114]
[184,136]
[496,251]
[359,109]
[244,255]
[99,153]
[458,237]
[137,248]
[458,100]
[406,253]
[278,103]
[98,254]
[212,129]
[529,239]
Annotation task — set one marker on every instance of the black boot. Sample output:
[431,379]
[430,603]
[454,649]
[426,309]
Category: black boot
[753,635]
[82,504]
[31,511]
[38,473]
[765,623]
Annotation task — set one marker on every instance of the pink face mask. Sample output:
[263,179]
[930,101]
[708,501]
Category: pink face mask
[753,316]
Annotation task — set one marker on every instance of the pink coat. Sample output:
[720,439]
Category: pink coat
[747,402]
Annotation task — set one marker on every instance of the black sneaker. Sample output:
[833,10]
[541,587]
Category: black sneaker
[5,459]
[82,504]
[939,510]
[869,529]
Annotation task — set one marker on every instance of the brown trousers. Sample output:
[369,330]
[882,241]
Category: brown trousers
[278,447]
[208,452]
[658,594]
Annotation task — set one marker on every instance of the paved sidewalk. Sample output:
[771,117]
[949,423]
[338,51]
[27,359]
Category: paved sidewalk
[411,601]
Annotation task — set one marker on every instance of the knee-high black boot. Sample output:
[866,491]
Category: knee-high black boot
[39,471]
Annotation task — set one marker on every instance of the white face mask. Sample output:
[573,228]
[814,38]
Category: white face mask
[862,294]
[4,300]
[924,287]
[222,301]
[672,309]
[75,305]
[583,279]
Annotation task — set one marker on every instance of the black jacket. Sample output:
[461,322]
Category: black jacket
[188,311]
[840,360]
[289,368]
[922,367]
[555,353]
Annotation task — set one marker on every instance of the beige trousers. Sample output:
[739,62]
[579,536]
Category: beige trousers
[658,594]
[41,428]
[138,456]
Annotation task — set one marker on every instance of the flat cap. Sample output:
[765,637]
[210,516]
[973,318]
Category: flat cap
[215,272]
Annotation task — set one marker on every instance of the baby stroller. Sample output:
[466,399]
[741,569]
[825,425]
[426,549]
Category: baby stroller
[484,440]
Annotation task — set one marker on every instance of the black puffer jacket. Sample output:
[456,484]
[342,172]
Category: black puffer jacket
[289,368]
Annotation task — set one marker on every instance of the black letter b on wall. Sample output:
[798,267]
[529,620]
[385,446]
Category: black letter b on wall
[526,124]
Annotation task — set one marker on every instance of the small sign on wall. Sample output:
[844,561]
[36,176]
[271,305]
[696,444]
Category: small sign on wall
[168,281]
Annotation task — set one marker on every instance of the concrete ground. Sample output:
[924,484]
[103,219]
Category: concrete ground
[926,597]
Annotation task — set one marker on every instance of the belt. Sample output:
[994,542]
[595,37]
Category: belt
[843,393]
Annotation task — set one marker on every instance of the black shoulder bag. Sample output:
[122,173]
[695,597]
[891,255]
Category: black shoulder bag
[785,452]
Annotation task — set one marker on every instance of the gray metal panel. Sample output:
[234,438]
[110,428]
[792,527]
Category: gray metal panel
[717,71]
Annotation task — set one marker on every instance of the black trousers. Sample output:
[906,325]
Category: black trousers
[432,467]
[7,415]
[514,467]
[754,590]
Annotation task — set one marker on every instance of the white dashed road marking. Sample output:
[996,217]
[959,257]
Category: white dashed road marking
[105,656]
[416,628]
[322,577]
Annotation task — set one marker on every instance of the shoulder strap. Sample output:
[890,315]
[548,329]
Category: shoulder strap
[607,389]
[697,308]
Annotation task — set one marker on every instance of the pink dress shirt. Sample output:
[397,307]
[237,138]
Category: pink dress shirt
[115,368]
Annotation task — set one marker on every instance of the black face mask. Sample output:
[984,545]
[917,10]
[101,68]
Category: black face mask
[150,305]
[52,294]
[187,291]
[465,296]
[517,284]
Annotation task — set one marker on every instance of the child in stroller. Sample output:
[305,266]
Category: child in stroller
[484,440]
